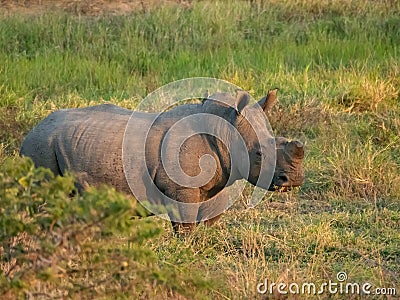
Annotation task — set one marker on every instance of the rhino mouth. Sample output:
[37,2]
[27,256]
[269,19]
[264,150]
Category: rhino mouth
[280,189]
[285,186]
[285,183]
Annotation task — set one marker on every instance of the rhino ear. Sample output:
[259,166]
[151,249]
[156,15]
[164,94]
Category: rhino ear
[242,99]
[205,97]
[268,101]
[295,149]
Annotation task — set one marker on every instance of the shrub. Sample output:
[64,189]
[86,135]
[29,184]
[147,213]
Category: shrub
[56,242]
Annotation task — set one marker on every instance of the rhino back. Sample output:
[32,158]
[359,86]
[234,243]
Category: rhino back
[86,141]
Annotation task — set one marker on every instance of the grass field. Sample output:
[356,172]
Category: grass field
[337,64]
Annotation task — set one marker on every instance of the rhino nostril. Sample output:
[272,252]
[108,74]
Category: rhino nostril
[283,179]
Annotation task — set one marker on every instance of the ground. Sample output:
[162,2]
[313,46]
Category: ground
[85,7]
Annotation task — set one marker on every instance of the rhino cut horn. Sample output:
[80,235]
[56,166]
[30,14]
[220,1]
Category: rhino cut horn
[295,149]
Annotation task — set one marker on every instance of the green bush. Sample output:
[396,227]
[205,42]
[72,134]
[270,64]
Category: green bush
[56,242]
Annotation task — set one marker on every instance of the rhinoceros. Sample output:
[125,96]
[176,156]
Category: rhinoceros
[92,143]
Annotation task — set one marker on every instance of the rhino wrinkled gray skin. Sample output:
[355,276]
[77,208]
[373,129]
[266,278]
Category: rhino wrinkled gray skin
[222,144]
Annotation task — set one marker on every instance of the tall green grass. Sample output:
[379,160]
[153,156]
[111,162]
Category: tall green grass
[110,57]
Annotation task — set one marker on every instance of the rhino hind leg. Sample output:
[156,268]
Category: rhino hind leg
[40,152]
[63,164]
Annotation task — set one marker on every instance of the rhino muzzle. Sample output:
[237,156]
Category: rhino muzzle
[289,171]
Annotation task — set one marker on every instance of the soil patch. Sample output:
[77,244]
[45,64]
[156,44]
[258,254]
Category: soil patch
[81,7]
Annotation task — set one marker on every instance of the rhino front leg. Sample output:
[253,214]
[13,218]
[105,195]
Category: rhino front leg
[211,210]
[188,207]
[212,221]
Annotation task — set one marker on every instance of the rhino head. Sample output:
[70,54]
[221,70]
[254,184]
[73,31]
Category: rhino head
[251,124]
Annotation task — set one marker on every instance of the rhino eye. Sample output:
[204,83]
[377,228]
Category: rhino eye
[259,153]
